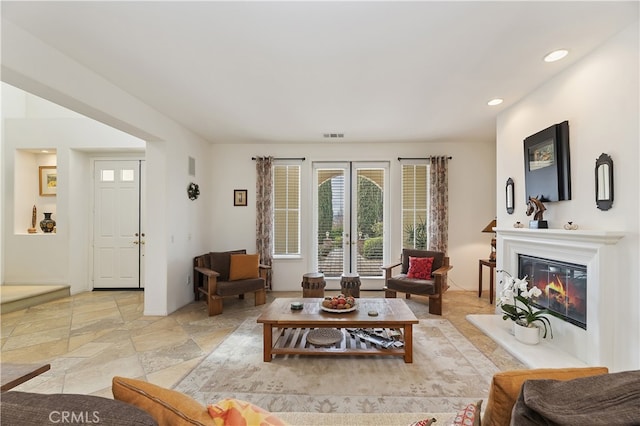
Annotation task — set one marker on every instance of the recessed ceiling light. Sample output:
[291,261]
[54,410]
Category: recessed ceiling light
[494,102]
[44,151]
[556,55]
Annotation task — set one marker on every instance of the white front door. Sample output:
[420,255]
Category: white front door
[118,236]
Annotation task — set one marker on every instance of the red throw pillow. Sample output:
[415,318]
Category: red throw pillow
[469,416]
[420,267]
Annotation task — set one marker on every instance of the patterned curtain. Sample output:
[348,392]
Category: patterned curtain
[439,205]
[264,212]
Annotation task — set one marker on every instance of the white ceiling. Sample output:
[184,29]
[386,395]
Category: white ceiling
[292,71]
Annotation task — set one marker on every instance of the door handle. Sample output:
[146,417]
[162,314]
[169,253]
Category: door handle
[135,242]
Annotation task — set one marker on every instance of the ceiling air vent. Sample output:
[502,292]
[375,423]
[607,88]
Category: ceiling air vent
[333,135]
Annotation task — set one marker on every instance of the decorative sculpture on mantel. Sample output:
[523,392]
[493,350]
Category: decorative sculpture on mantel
[535,206]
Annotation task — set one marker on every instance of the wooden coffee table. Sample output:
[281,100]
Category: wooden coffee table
[285,330]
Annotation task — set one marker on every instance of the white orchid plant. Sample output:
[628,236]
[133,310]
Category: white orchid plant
[516,290]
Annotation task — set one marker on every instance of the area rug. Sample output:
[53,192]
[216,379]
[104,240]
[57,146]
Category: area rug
[447,373]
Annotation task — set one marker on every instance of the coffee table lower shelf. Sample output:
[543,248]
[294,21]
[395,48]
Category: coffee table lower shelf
[293,341]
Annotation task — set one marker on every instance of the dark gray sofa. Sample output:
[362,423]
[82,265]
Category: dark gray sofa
[30,409]
[608,399]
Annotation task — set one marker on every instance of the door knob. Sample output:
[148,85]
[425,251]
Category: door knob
[136,234]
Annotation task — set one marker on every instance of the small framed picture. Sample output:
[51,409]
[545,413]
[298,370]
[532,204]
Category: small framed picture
[48,181]
[239,197]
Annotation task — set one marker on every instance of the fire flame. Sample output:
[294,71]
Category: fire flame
[556,286]
[564,290]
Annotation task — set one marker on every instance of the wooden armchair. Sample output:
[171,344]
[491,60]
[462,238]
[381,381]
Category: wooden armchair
[434,287]
[230,273]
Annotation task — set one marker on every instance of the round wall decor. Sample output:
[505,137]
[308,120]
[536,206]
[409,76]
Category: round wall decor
[193,190]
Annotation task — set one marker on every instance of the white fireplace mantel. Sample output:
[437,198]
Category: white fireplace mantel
[598,251]
[578,235]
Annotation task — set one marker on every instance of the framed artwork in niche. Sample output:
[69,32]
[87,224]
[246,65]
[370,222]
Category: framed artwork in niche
[48,183]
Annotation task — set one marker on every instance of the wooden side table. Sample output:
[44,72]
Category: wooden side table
[350,284]
[492,267]
[313,284]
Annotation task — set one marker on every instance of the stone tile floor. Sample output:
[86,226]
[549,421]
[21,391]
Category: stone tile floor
[90,337]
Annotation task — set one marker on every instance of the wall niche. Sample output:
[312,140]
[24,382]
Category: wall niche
[35,184]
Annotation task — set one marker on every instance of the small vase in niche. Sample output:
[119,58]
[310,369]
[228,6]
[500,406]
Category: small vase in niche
[47,224]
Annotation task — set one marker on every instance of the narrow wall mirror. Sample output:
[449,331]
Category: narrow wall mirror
[604,182]
[509,196]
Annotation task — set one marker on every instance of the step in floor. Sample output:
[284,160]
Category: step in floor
[16,297]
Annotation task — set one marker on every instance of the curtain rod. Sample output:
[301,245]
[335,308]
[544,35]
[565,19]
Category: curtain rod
[421,158]
[284,158]
[399,158]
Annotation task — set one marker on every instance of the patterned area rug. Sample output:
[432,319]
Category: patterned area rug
[447,373]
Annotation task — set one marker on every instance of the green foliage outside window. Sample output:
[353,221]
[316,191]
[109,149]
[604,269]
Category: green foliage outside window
[370,207]
[373,248]
[325,209]
[416,235]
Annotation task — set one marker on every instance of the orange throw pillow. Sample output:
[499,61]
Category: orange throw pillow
[166,406]
[235,412]
[244,266]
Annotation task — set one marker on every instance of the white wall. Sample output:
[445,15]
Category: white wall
[30,64]
[59,258]
[471,199]
[599,96]
[188,222]
[180,228]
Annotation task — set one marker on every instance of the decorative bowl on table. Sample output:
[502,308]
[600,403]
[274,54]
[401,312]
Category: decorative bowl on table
[338,304]
[324,336]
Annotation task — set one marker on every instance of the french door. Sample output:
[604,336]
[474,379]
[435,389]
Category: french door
[350,220]
[118,231]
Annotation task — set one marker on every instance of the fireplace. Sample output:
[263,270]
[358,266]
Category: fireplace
[584,323]
[563,285]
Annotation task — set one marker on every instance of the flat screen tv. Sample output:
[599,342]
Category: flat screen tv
[547,169]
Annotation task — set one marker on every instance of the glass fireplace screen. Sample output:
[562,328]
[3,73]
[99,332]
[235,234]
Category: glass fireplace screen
[563,285]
